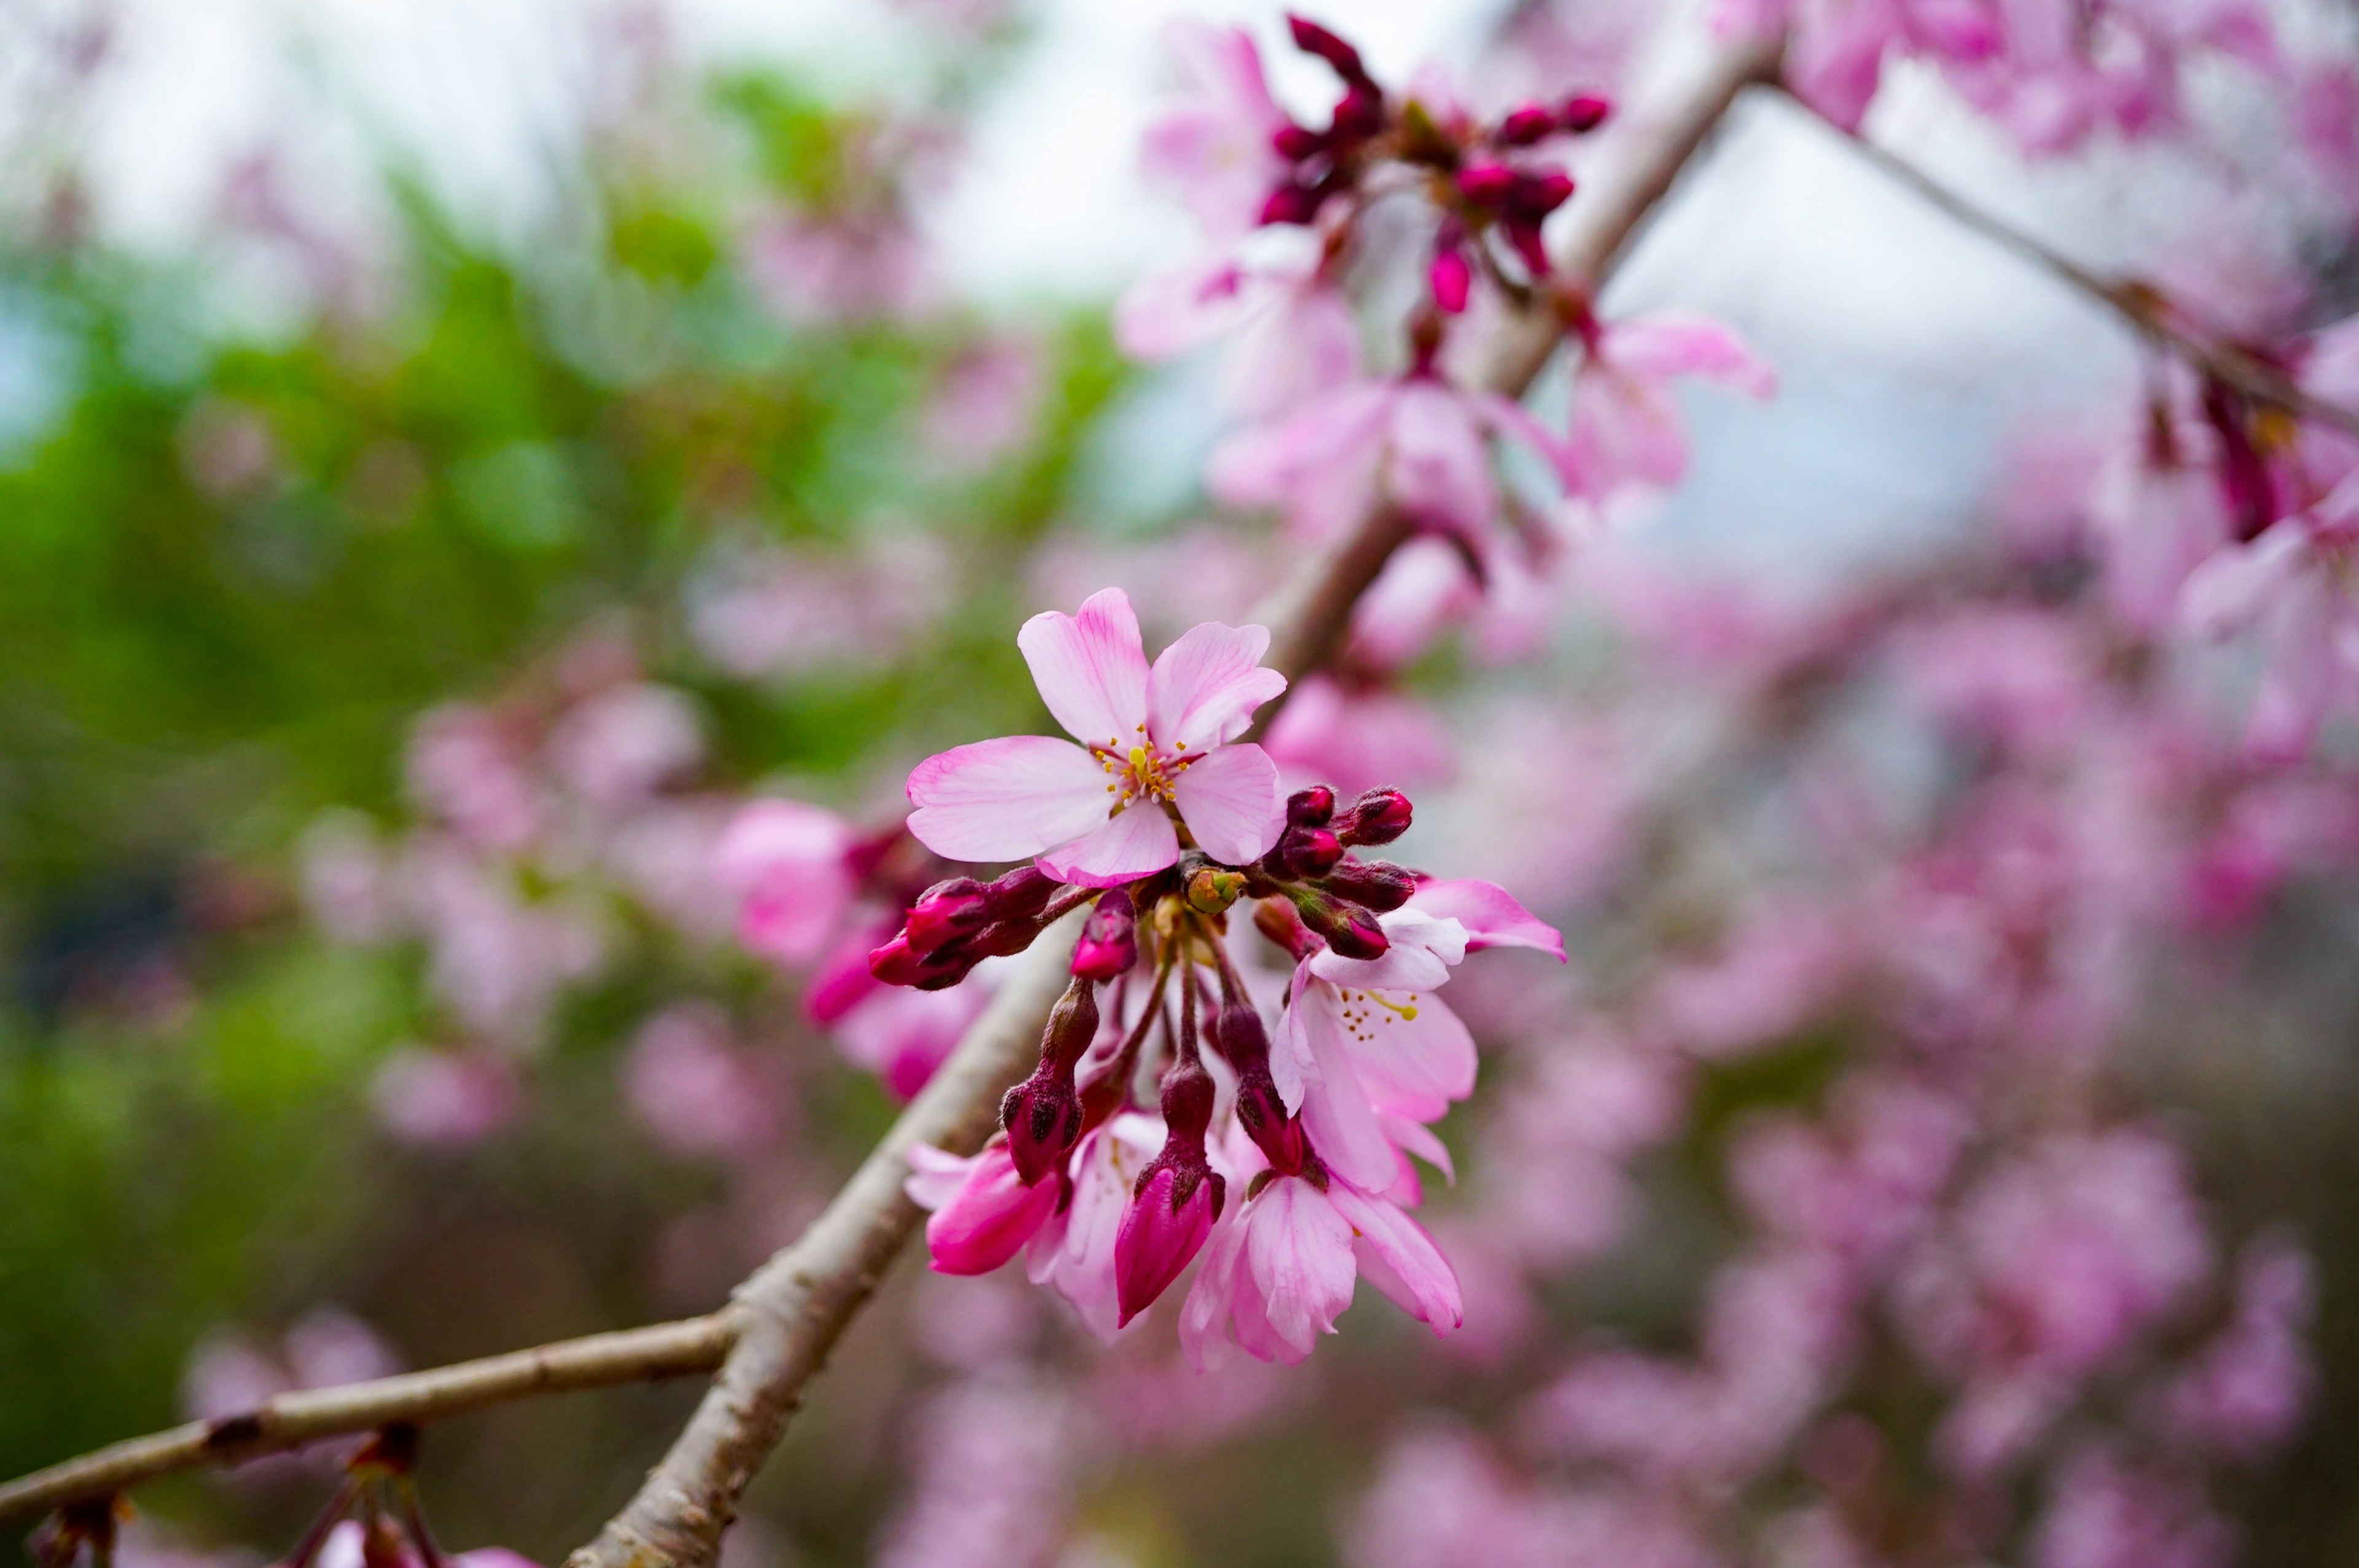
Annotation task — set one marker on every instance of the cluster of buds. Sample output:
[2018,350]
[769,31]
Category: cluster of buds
[955,924]
[1322,163]
[1329,894]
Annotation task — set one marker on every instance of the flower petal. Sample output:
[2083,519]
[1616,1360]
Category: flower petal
[1138,842]
[1091,668]
[1299,1249]
[1230,800]
[1413,1271]
[1204,686]
[1492,916]
[1005,799]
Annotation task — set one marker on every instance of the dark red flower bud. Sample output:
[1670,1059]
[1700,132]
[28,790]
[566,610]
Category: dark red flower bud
[1379,885]
[1582,112]
[1311,807]
[899,964]
[1359,114]
[1295,143]
[946,912]
[1294,202]
[1486,184]
[1302,853]
[1042,1115]
[1313,39]
[1238,1036]
[1109,944]
[1351,929]
[1526,125]
[1378,816]
[1538,195]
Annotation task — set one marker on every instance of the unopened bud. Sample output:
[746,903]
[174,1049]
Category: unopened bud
[1238,1036]
[946,912]
[1294,143]
[1177,1199]
[1523,126]
[1302,853]
[1294,203]
[1451,279]
[1379,885]
[1583,111]
[1378,816]
[1486,184]
[899,964]
[1042,1115]
[1313,39]
[1109,944]
[1350,931]
[1311,807]
[1213,889]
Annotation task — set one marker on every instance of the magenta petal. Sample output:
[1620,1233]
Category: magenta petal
[989,1218]
[1005,799]
[1138,842]
[1492,916]
[1230,802]
[1157,1242]
[1204,687]
[1091,668]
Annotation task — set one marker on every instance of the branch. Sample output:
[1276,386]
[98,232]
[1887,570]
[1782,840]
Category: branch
[291,1420]
[2148,313]
[782,1322]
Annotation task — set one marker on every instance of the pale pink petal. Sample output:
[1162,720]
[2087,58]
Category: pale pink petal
[1413,1057]
[1338,1117]
[1169,312]
[1208,1312]
[1138,842]
[1509,418]
[1230,800]
[1292,1063]
[1091,668]
[1439,470]
[782,861]
[1204,686]
[1299,1249]
[1005,799]
[1490,914]
[1420,1140]
[1670,343]
[1414,1274]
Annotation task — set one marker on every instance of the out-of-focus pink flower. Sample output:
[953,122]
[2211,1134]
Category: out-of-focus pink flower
[497,959]
[1415,443]
[983,1213]
[697,1089]
[1779,966]
[814,270]
[445,1098]
[985,406]
[346,1547]
[2020,678]
[765,610]
[1092,814]
[621,745]
[992,1461]
[1278,1276]
[467,770]
[347,879]
[785,862]
[2156,523]
[1556,1143]
[2250,1385]
[1290,335]
[1863,1183]
[902,1034]
[2104,1515]
[1215,148]
[1626,428]
[2326,122]
[2290,588]
[1358,739]
[228,1375]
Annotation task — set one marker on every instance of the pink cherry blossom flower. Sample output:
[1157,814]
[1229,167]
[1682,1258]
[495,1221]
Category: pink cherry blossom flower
[1290,335]
[1626,428]
[2292,588]
[1276,1277]
[1215,149]
[902,1034]
[784,862]
[983,1213]
[445,1098]
[1358,739]
[1095,814]
[697,1090]
[1415,443]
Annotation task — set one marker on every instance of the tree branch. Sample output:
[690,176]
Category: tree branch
[783,1320]
[2147,311]
[291,1420]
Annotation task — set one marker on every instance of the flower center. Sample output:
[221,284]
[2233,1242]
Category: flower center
[1141,770]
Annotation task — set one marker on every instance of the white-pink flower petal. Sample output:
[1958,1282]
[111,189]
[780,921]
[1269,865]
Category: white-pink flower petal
[1139,842]
[1091,668]
[1007,799]
[1230,802]
[1204,687]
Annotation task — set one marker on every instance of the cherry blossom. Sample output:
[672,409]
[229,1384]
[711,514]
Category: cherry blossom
[1165,738]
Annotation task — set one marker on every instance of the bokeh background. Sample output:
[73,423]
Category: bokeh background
[690,400]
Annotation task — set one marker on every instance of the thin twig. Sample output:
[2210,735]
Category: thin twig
[291,1420]
[2147,310]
